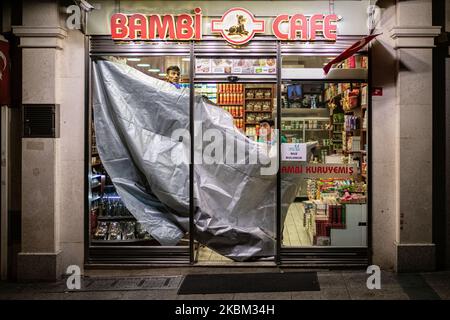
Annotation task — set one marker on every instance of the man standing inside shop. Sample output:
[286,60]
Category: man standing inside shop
[173,76]
[267,135]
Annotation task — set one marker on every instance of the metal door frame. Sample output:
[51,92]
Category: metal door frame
[268,46]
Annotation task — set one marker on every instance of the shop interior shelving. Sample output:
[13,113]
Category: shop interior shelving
[257,95]
[339,132]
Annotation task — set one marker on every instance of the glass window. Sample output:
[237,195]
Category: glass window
[111,221]
[325,127]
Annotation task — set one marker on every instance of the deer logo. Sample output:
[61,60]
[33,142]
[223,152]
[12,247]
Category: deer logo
[238,29]
[241,32]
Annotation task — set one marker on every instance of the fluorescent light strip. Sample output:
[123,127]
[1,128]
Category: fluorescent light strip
[146,65]
[134,59]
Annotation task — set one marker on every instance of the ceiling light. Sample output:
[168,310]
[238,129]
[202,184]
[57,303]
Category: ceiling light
[134,59]
[153,70]
[144,65]
[162,74]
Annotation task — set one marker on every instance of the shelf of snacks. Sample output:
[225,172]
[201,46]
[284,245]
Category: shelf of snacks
[134,242]
[115,218]
[253,118]
[230,94]
[208,90]
[258,93]
[235,111]
[117,230]
[258,106]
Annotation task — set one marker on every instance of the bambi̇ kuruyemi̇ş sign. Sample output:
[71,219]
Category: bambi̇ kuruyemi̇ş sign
[322,170]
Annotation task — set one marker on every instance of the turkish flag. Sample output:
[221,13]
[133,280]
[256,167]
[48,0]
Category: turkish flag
[5,92]
[354,48]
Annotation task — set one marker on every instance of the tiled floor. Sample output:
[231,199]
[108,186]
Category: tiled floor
[294,234]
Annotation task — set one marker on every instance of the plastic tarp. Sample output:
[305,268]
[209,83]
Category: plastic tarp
[142,127]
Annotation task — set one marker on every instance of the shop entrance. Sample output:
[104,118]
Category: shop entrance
[246,232]
[311,210]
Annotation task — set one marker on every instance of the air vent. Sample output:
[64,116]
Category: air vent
[41,121]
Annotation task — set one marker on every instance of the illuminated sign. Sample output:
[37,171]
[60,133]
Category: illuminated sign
[301,27]
[164,27]
[237,26]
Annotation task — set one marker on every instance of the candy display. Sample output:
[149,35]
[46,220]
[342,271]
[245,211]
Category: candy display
[116,231]
[101,231]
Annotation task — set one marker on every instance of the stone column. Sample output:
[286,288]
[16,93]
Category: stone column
[413,37]
[41,39]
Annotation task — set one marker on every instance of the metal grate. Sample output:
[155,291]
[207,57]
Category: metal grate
[40,121]
[325,256]
[131,284]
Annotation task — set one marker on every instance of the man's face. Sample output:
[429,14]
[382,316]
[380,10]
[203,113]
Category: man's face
[173,76]
[265,129]
[265,126]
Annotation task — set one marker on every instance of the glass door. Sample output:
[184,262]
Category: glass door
[235,170]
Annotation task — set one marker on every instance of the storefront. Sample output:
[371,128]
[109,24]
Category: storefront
[353,153]
[256,65]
